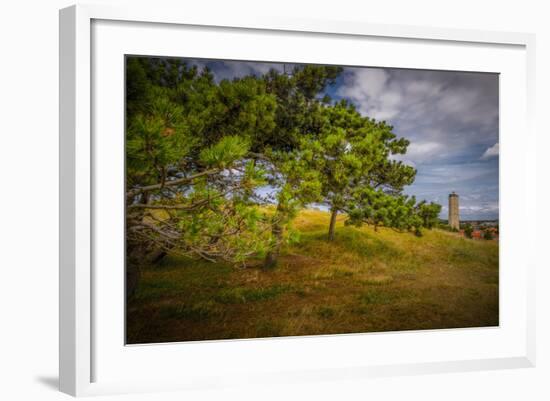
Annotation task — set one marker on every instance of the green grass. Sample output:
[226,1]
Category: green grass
[364,281]
[244,294]
[375,296]
[196,312]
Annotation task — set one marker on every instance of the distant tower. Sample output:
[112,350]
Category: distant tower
[454,220]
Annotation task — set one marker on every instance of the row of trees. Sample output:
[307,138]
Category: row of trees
[199,153]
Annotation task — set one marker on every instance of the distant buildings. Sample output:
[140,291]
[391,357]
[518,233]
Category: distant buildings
[482,231]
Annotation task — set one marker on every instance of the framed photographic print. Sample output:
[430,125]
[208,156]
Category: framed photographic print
[273,200]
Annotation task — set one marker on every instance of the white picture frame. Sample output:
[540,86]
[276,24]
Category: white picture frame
[82,344]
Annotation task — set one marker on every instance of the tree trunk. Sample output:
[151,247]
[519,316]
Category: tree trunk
[273,255]
[144,198]
[157,256]
[277,231]
[133,268]
[334,213]
[133,275]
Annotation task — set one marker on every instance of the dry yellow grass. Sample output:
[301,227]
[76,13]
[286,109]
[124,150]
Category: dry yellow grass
[364,281]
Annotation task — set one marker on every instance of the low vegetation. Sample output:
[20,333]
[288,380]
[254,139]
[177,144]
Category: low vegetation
[362,281]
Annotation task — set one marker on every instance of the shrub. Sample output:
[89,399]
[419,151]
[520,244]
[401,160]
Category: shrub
[468,230]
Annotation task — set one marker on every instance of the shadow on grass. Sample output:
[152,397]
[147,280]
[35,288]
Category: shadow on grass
[243,295]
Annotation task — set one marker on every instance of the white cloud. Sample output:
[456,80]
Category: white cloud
[422,89]
[422,149]
[368,89]
[487,207]
[419,152]
[493,151]
[457,101]
[364,82]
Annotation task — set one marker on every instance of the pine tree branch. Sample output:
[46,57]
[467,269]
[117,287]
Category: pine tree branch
[184,180]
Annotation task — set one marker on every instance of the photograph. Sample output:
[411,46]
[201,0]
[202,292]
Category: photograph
[275,199]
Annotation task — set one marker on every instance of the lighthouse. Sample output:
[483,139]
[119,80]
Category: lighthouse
[454,221]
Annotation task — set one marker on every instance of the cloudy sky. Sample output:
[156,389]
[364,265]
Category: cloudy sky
[450,118]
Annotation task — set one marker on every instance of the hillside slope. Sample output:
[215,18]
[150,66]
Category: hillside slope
[364,281]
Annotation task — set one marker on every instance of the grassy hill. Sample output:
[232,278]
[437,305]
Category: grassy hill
[364,281]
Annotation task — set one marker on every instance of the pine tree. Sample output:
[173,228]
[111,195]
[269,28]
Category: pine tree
[190,182]
[358,176]
[293,173]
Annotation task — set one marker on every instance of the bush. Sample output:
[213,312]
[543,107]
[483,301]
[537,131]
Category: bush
[488,234]
[468,230]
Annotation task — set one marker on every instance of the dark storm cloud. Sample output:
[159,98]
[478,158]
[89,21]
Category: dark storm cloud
[450,118]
